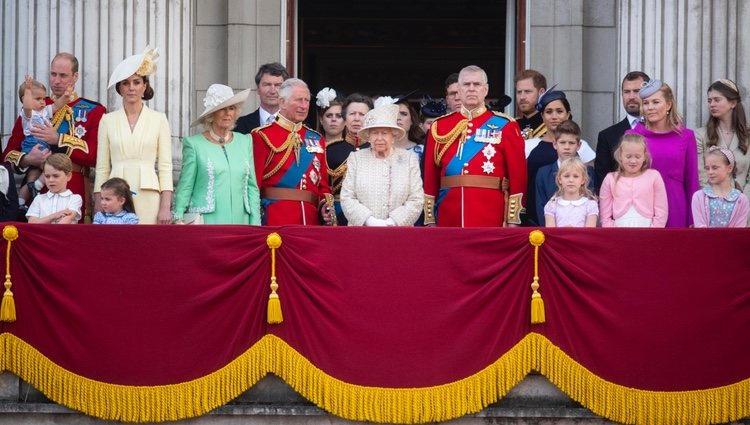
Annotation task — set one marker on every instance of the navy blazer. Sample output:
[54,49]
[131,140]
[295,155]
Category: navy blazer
[606,144]
[247,123]
[546,186]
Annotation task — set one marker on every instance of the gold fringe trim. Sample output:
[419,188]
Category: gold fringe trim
[374,404]
[633,406]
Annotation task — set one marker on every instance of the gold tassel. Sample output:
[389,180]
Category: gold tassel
[536,238]
[8,305]
[274,315]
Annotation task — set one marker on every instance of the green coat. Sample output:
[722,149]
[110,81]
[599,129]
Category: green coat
[218,181]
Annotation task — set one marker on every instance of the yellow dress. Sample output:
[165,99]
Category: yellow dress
[135,156]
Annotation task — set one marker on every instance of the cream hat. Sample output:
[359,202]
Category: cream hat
[219,97]
[382,116]
[143,64]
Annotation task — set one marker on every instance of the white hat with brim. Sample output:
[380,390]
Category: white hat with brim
[219,97]
[382,116]
[143,64]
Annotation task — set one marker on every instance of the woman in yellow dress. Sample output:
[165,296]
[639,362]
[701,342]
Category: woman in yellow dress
[135,140]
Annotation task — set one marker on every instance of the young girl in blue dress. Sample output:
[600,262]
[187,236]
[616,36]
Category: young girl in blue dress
[117,203]
[573,205]
[720,203]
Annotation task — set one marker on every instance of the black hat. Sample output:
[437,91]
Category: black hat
[549,96]
[431,108]
[500,104]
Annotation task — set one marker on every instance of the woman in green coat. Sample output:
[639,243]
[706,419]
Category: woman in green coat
[217,184]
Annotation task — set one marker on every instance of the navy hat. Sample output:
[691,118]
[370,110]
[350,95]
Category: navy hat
[500,104]
[549,96]
[649,88]
[431,108]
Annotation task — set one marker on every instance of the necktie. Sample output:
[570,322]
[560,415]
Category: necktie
[270,119]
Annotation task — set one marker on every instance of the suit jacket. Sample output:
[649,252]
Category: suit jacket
[246,124]
[605,150]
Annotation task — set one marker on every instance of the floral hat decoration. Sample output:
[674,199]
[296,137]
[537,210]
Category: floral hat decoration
[143,64]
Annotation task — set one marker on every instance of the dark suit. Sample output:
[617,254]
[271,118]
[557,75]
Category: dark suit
[247,123]
[606,144]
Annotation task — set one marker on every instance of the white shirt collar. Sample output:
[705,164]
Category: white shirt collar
[578,202]
[64,193]
[633,120]
[264,115]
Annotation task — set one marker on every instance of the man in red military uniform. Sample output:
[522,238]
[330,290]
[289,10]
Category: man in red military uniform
[73,132]
[290,163]
[475,167]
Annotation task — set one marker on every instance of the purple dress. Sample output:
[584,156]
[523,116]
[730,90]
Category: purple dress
[675,157]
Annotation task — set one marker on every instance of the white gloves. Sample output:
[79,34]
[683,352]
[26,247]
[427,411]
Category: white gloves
[376,222]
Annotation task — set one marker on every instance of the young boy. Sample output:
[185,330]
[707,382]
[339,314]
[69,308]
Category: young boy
[59,205]
[35,113]
[567,142]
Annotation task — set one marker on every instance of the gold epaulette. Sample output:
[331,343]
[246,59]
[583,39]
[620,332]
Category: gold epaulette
[539,131]
[314,131]
[429,209]
[502,115]
[256,129]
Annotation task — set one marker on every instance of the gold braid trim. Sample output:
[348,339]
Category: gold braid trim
[447,139]
[292,142]
[338,175]
[271,354]
[66,112]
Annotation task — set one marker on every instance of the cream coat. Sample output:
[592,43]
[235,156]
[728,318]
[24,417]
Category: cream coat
[136,156]
[382,188]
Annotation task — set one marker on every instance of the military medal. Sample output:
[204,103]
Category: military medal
[488,167]
[489,151]
[79,131]
[316,163]
[314,177]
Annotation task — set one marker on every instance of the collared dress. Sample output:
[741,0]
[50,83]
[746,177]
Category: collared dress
[134,156]
[712,210]
[478,144]
[48,203]
[78,126]
[382,187]
[291,157]
[218,181]
[123,217]
[741,160]
[571,213]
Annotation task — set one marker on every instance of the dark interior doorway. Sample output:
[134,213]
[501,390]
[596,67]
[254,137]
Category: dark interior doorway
[392,47]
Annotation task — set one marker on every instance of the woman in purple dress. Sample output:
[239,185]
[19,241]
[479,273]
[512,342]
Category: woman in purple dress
[673,149]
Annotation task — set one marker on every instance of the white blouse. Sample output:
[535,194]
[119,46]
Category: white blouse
[382,188]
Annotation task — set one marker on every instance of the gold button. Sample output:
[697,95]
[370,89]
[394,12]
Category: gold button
[466,171]
[471,124]
[468,131]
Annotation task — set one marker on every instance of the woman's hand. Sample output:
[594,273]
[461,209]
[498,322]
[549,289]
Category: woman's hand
[164,216]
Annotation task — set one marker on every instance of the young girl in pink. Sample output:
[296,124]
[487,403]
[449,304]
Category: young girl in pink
[634,195]
[573,205]
[720,203]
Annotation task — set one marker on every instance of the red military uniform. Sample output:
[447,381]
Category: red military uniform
[290,165]
[78,125]
[474,164]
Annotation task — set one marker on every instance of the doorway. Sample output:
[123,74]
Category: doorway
[394,47]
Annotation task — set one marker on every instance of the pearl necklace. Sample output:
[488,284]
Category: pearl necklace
[216,137]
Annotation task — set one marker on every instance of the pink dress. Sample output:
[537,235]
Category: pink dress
[645,194]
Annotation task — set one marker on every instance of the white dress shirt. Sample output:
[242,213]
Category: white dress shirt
[49,203]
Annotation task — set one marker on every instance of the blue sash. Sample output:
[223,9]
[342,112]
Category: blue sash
[293,175]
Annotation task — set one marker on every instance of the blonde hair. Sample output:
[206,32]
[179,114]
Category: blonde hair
[569,164]
[674,119]
[34,84]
